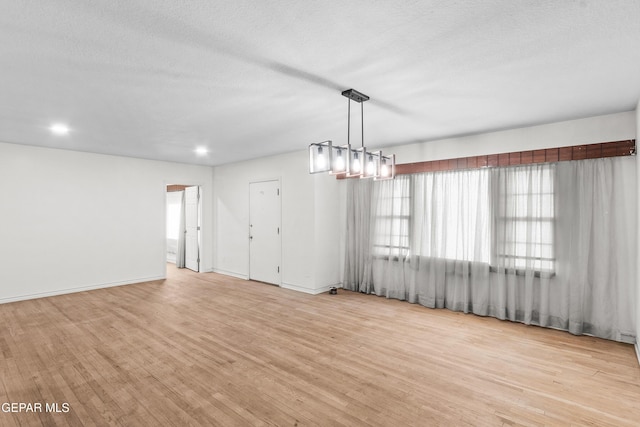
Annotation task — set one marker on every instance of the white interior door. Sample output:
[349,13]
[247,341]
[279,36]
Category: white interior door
[192,226]
[264,231]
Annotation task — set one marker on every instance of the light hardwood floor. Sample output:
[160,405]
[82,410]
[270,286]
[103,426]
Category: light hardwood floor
[206,349]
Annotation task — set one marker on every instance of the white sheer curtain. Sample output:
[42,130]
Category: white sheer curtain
[357,256]
[545,244]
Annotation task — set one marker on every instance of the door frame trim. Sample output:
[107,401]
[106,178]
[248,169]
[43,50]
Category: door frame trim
[199,228]
[164,225]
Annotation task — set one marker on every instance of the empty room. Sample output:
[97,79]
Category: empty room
[323,213]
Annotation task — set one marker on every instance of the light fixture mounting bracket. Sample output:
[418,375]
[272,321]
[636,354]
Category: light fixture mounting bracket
[354,95]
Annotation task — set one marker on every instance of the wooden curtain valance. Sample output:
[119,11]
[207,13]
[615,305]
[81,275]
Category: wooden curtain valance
[574,152]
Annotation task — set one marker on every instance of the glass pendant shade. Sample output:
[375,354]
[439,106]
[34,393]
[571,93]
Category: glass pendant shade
[340,159]
[320,154]
[371,167]
[387,167]
[356,162]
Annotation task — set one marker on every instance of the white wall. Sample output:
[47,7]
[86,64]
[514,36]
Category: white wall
[231,213]
[71,221]
[329,222]
[310,234]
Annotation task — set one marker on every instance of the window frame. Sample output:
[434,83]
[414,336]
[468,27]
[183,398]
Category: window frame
[499,219]
[495,196]
[386,251]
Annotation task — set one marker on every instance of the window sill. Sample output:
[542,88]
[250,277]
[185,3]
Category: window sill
[492,268]
[520,272]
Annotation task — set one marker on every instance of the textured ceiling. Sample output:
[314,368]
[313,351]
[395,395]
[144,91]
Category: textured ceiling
[156,79]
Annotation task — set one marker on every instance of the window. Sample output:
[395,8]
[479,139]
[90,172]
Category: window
[451,216]
[439,215]
[503,217]
[392,218]
[525,219]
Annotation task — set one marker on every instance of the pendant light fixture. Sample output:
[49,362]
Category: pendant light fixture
[348,161]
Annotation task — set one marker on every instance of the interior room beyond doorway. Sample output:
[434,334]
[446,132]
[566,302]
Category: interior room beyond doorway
[183,226]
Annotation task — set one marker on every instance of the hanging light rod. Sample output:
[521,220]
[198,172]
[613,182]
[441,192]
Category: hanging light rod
[347,161]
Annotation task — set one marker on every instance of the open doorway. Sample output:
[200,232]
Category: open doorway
[183,226]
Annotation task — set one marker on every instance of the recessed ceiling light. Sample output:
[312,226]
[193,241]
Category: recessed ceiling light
[59,129]
[202,151]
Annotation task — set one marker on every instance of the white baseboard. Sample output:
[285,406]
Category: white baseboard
[78,289]
[315,291]
[298,288]
[230,273]
[637,346]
